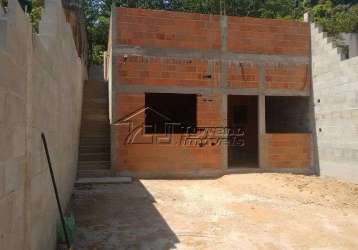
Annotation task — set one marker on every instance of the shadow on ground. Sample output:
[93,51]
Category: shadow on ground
[235,212]
[119,217]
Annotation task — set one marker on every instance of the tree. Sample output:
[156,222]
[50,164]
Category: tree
[334,15]
[337,16]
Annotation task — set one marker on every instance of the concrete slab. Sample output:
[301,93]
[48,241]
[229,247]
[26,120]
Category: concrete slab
[104,180]
[245,211]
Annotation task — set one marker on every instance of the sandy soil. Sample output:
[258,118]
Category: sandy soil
[247,211]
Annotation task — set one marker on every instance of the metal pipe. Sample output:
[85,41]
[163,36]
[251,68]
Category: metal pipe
[55,189]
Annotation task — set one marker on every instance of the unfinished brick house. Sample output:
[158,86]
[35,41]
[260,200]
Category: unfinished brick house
[208,72]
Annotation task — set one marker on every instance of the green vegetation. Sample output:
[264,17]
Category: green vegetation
[337,15]
[97,13]
[334,15]
[32,7]
[35,11]
[3,3]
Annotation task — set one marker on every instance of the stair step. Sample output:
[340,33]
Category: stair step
[98,173]
[90,150]
[94,140]
[104,180]
[94,150]
[90,133]
[93,165]
[96,127]
[96,117]
[93,82]
[94,156]
[98,100]
[94,111]
[95,134]
[94,146]
[94,124]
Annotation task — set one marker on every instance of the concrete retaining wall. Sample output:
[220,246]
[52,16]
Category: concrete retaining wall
[335,91]
[40,91]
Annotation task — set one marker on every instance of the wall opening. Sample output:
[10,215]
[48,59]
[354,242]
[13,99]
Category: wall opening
[242,118]
[170,113]
[287,114]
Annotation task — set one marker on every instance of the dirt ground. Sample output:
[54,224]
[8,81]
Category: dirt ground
[245,211]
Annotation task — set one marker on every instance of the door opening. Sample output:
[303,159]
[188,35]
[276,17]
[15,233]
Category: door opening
[242,117]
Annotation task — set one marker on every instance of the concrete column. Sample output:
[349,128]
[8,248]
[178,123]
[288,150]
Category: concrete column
[261,115]
[224,146]
[262,128]
[224,84]
[223,30]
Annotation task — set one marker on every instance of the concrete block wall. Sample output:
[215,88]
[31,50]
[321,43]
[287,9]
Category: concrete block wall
[351,41]
[335,93]
[40,91]
[210,56]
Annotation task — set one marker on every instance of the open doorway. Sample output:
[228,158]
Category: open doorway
[243,117]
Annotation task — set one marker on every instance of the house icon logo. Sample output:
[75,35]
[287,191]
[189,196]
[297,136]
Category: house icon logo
[144,110]
[144,124]
[149,126]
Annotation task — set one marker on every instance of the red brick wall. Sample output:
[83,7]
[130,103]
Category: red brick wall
[153,159]
[203,73]
[288,77]
[267,36]
[288,150]
[243,76]
[167,29]
[167,72]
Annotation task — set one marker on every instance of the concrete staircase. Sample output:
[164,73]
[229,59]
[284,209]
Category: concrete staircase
[327,42]
[94,151]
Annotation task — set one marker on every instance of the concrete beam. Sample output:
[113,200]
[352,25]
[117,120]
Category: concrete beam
[215,55]
[141,88]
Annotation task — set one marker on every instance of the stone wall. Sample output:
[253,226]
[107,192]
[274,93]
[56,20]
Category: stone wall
[335,93]
[40,91]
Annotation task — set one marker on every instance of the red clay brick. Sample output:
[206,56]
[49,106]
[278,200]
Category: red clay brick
[243,76]
[267,36]
[167,72]
[163,29]
[155,28]
[288,77]
[288,150]
[167,157]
